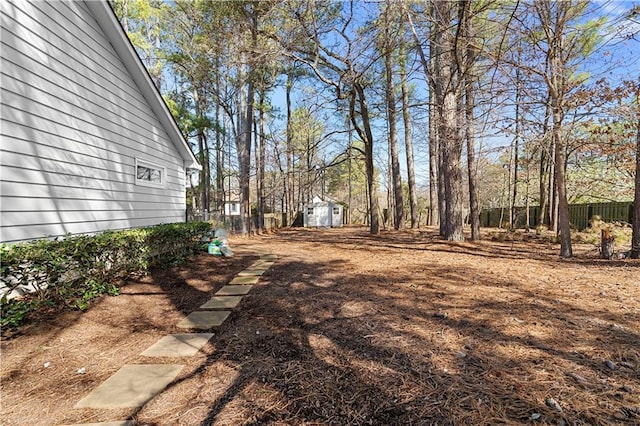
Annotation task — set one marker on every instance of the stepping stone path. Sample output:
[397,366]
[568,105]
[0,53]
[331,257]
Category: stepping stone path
[176,345]
[244,280]
[204,319]
[135,385]
[251,273]
[234,290]
[222,302]
[131,386]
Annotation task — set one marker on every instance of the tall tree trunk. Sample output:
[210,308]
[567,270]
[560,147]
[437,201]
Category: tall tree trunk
[307,153]
[349,209]
[439,83]
[203,154]
[367,137]
[299,201]
[204,202]
[244,153]
[516,150]
[408,138]
[442,199]
[553,189]
[219,153]
[542,188]
[447,103]
[453,171]
[509,187]
[470,56]
[396,179]
[246,125]
[564,227]
[261,153]
[545,172]
[635,236]
[543,214]
[474,206]
[527,198]
[513,212]
[289,178]
[387,214]
[558,142]
[436,201]
[553,23]
[255,219]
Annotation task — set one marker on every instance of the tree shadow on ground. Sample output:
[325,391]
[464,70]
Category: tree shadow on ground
[399,340]
[381,348]
[113,331]
[530,246]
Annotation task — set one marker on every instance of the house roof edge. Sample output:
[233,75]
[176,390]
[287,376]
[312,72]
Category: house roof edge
[108,22]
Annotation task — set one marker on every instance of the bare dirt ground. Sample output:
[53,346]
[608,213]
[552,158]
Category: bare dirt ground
[351,329]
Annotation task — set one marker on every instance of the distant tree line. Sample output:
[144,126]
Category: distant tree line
[284,100]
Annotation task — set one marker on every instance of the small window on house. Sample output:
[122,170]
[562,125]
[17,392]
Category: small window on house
[234,208]
[336,210]
[310,210]
[150,174]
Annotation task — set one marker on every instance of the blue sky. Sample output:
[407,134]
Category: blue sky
[617,58]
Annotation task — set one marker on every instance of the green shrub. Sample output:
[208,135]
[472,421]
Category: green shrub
[70,272]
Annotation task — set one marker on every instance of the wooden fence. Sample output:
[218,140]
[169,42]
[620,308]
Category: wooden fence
[234,223]
[579,214]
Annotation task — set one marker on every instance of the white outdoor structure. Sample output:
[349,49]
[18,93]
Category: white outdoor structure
[324,214]
[88,143]
[232,208]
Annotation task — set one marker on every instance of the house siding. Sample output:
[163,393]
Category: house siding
[73,124]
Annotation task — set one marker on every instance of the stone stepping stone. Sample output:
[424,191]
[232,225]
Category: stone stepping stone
[234,290]
[252,272]
[131,386]
[176,345]
[204,319]
[262,264]
[222,302]
[121,423]
[244,280]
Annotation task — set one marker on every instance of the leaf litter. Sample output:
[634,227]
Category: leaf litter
[346,328]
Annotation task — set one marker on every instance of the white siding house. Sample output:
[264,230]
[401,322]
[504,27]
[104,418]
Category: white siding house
[87,143]
[323,214]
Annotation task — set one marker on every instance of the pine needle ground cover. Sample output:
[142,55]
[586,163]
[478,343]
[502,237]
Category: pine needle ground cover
[347,328]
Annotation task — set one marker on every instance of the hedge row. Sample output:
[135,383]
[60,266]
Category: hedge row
[70,272]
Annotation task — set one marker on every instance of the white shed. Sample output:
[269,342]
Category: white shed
[232,208]
[323,214]
[88,143]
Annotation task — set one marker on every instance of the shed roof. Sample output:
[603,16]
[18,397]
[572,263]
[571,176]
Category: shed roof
[319,202]
[108,22]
